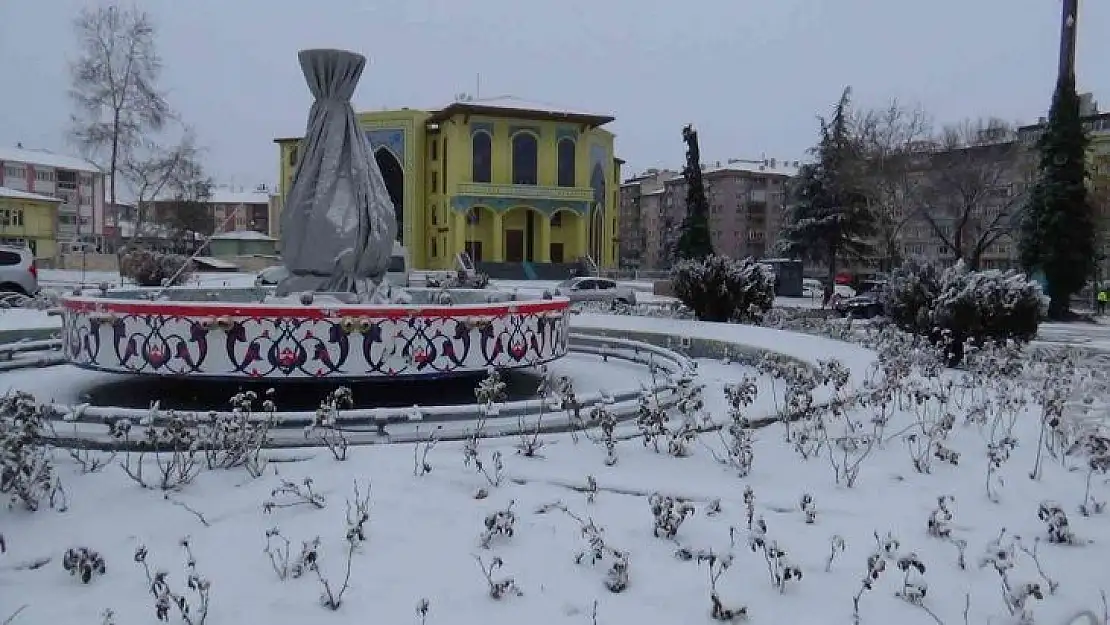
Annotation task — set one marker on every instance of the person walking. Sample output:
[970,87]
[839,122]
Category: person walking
[1103,297]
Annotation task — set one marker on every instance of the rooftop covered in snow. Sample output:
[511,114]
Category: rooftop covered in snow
[46,158]
[15,194]
[229,196]
[511,106]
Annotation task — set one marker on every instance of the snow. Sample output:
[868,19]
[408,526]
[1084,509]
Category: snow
[243,235]
[27,319]
[514,103]
[45,157]
[16,194]
[423,532]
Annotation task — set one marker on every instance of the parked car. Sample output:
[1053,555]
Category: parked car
[398,272]
[590,289]
[867,304]
[18,273]
[814,288]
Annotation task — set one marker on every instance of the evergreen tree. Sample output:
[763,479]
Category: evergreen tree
[829,217]
[695,241]
[1058,226]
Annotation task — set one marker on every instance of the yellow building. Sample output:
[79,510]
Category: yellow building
[512,183]
[29,219]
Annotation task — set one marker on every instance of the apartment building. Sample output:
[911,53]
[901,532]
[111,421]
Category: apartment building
[232,209]
[746,205]
[640,199]
[78,183]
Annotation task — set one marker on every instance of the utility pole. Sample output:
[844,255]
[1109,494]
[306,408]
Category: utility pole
[1069,22]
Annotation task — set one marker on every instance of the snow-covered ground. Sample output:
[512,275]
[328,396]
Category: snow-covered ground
[938,482]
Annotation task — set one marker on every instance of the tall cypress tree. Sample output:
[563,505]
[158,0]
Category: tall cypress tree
[1058,226]
[695,241]
[829,217]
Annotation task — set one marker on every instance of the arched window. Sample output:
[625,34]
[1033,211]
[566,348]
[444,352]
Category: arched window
[566,162]
[481,147]
[525,158]
[394,177]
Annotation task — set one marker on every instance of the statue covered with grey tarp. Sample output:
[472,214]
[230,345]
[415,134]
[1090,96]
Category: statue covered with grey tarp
[338,223]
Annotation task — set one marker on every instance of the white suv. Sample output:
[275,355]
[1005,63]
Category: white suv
[18,273]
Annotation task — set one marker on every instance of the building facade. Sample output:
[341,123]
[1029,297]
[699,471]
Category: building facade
[746,205]
[78,183]
[29,220]
[640,198]
[507,181]
[231,210]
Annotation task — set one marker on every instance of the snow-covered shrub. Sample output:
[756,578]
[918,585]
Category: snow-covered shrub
[498,588]
[326,429]
[719,288]
[960,306]
[717,610]
[83,563]
[173,448]
[149,268]
[192,612]
[26,472]
[908,296]
[668,513]
[988,306]
[498,523]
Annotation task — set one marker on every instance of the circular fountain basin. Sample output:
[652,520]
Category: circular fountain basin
[245,333]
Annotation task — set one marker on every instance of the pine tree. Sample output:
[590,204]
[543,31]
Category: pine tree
[695,241]
[829,217]
[1058,225]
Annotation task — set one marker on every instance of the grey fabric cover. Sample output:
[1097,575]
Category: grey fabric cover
[338,224]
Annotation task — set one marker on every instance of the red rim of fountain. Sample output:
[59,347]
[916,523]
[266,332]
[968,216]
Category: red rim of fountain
[311,311]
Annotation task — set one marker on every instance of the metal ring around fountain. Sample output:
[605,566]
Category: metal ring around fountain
[87,426]
[121,332]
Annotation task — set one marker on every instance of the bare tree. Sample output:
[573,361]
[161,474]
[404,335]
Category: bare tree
[114,86]
[155,172]
[971,188]
[889,139]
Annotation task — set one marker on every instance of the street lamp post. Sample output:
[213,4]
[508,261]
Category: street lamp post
[1068,27]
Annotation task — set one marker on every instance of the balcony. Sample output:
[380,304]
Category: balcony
[506,196]
[522,191]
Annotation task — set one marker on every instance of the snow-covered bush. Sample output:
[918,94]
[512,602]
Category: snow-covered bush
[26,472]
[959,306]
[719,288]
[988,305]
[908,297]
[83,563]
[149,268]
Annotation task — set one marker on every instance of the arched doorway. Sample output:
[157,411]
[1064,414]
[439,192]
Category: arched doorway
[521,234]
[597,213]
[394,176]
[566,243]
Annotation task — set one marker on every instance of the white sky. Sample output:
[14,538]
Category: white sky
[750,75]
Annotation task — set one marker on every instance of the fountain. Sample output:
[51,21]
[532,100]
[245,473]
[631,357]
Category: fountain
[335,316]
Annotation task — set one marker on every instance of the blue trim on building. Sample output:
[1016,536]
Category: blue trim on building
[535,130]
[481,127]
[392,139]
[566,132]
[463,203]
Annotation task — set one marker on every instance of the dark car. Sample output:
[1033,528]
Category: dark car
[866,304]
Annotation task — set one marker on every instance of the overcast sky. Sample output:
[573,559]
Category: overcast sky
[750,74]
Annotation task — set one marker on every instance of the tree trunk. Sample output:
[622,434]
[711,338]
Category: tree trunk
[830,284]
[117,237]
